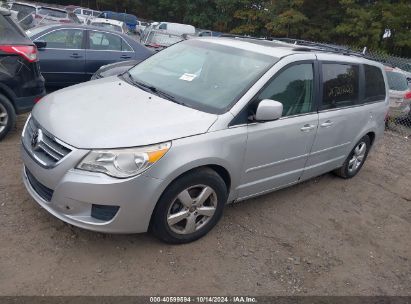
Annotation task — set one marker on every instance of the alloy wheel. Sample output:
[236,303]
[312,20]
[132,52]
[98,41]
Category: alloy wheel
[4,117]
[357,157]
[192,209]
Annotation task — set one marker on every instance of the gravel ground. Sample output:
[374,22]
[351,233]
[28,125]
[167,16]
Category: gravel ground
[327,236]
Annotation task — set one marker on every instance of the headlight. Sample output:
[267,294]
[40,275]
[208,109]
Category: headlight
[123,163]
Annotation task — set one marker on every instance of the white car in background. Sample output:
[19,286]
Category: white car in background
[399,94]
[85,14]
[114,25]
[141,26]
[176,28]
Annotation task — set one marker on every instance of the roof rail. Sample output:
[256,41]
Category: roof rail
[308,46]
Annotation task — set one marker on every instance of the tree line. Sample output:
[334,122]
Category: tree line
[356,23]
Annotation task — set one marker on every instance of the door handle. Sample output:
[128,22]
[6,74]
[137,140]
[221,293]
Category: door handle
[326,124]
[125,56]
[75,55]
[307,128]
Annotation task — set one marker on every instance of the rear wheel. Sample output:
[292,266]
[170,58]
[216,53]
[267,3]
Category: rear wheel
[190,207]
[355,159]
[7,116]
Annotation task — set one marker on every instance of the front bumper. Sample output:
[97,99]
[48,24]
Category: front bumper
[75,192]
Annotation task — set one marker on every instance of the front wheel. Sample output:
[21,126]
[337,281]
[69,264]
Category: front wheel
[190,207]
[355,159]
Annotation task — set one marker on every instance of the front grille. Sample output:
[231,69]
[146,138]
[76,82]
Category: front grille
[48,151]
[44,192]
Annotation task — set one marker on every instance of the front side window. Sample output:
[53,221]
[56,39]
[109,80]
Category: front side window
[374,84]
[64,39]
[203,75]
[104,41]
[340,84]
[87,12]
[293,87]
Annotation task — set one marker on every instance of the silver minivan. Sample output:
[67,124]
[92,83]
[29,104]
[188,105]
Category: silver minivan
[166,145]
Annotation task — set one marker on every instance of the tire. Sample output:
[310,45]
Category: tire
[177,218]
[355,159]
[7,116]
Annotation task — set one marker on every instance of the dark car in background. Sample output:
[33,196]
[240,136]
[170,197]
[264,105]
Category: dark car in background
[21,83]
[70,54]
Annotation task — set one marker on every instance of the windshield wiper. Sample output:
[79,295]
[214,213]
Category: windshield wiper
[153,90]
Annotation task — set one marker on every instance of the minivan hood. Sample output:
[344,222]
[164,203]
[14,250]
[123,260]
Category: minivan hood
[111,113]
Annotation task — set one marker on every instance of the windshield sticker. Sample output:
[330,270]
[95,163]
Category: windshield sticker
[188,77]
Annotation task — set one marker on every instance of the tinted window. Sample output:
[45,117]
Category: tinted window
[397,81]
[64,39]
[86,12]
[293,88]
[340,85]
[104,41]
[374,83]
[95,14]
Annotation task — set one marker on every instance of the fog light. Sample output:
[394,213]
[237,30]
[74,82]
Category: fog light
[104,212]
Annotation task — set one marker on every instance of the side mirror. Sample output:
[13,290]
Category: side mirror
[40,44]
[269,110]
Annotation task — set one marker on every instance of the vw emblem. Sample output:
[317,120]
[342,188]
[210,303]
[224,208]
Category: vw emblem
[36,139]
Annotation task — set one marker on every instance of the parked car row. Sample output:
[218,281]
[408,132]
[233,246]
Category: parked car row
[70,54]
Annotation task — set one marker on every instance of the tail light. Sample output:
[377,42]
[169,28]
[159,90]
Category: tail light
[37,16]
[28,52]
[407,95]
[37,99]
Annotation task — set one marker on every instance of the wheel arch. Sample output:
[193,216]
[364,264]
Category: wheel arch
[218,168]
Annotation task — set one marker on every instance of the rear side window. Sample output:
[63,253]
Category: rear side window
[397,81]
[374,84]
[340,85]
[105,42]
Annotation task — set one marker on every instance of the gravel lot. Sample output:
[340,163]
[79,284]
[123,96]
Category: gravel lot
[327,236]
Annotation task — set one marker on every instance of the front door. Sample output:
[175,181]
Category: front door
[278,150]
[62,61]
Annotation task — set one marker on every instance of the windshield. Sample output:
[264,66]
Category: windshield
[202,75]
[52,13]
[397,81]
[23,8]
[107,26]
